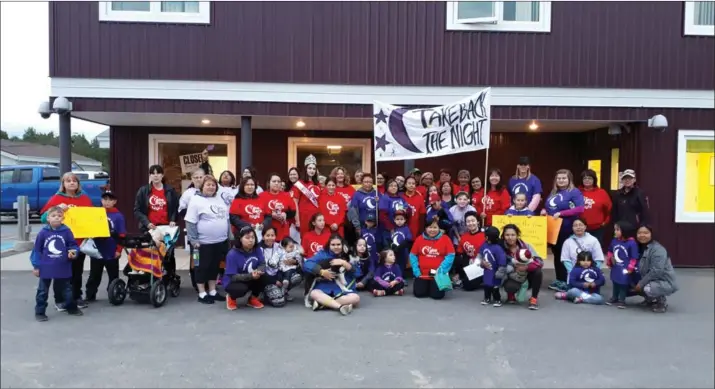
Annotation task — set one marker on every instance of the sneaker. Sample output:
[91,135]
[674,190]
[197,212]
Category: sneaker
[578,300]
[346,309]
[660,306]
[254,302]
[400,292]
[533,304]
[621,305]
[497,304]
[82,304]
[60,307]
[218,297]
[378,293]
[560,295]
[91,299]
[486,301]
[206,299]
[511,298]
[75,312]
[456,282]
[315,306]
[288,297]
[231,304]
[41,317]
[558,286]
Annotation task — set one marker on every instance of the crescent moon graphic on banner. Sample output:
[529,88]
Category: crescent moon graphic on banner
[399,132]
[51,247]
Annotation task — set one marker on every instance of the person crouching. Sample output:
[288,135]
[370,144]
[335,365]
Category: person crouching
[245,271]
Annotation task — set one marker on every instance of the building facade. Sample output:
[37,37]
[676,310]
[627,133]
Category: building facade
[268,83]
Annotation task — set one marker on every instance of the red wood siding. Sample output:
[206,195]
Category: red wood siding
[591,44]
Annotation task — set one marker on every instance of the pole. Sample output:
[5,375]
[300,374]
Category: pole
[377,197]
[65,143]
[22,219]
[246,142]
[409,165]
[485,184]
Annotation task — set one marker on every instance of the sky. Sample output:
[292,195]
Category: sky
[24,64]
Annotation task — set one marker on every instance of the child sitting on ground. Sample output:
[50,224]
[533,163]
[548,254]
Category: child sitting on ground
[388,276]
[493,261]
[291,261]
[585,281]
[520,207]
[51,257]
[361,258]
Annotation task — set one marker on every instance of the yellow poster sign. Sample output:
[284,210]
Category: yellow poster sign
[87,222]
[533,230]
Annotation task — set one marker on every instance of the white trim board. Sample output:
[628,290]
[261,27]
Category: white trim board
[682,216]
[294,142]
[365,94]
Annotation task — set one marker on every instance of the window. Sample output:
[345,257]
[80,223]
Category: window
[50,174]
[530,16]
[695,190]
[6,176]
[189,12]
[25,176]
[699,18]
[615,173]
[352,154]
[169,150]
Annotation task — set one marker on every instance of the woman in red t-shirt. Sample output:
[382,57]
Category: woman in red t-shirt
[431,253]
[497,199]
[306,194]
[316,238]
[417,204]
[597,205]
[342,183]
[70,195]
[279,206]
[247,210]
[468,248]
[333,208]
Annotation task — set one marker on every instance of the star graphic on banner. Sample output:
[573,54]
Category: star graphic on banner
[380,117]
[381,143]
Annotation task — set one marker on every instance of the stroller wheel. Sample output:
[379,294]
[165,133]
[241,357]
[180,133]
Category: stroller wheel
[157,294]
[117,291]
[175,288]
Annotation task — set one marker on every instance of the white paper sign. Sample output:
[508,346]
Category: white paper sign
[473,271]
[190,162]
[402,133]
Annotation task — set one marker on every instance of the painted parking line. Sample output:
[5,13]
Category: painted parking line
[7,245]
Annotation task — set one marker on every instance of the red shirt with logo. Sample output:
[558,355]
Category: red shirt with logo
[346,192]
[431,253]
[597,206]
[247,209]
[281,202]
[72,201]
[333,210]
[421,189]
[456,188]
[417,203]
[469,244]
[495,203]
[313,242]
[158,212]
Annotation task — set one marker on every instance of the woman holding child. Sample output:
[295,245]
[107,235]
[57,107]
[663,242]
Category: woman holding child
[246,209]
[69,195]
[524,264]
[325,292]
[279,206]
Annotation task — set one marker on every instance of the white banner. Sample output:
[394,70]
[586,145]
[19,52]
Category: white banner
[190,162]
[402,133]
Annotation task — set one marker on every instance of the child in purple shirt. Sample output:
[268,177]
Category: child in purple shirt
[388,276]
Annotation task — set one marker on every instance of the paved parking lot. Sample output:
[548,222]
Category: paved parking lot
[391,342]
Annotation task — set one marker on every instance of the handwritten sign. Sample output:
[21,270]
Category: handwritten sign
[87,222]
[402,133]
[533,230]
[190,162]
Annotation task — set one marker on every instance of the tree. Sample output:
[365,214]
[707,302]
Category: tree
[80,144]
[4,135]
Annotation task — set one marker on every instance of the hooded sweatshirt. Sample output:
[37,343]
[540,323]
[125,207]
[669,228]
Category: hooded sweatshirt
[384,274]
[273,256]
[623,259]
[50,253]
[374,243]
[496,202]
[431,253]
[78,200]
[240,264]
[568,203]
[446,221]
[361,205]
[519,212]
[580,275]
[574,245]
[417,211]
[495,255]
[388,205]
[108,247]
[597,207]
[458,213]
[333,209]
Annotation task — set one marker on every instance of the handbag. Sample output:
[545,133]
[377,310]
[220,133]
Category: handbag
[444,283]
[89,248]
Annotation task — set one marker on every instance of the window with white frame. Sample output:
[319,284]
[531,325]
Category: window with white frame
[529,16]
[699,18]
[184,12]
[695,185]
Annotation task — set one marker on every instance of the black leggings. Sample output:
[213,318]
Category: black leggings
[238,289]
[76,280]
[427,287]
[96,269]
[561,272]
[534,277]
[210,257]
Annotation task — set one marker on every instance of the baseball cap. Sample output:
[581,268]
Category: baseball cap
[371,217]
[415,171]
[628,173]
[109,194]
[523,161]
[434,197]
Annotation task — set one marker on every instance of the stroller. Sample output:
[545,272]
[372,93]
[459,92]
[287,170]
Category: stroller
[148,279]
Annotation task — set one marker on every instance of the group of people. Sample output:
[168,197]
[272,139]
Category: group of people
[338,239]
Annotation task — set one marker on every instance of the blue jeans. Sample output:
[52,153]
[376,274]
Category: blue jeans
[620,292]
[61,285]
[593,298]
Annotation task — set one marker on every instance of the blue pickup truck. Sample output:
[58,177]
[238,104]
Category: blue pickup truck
[39,183]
